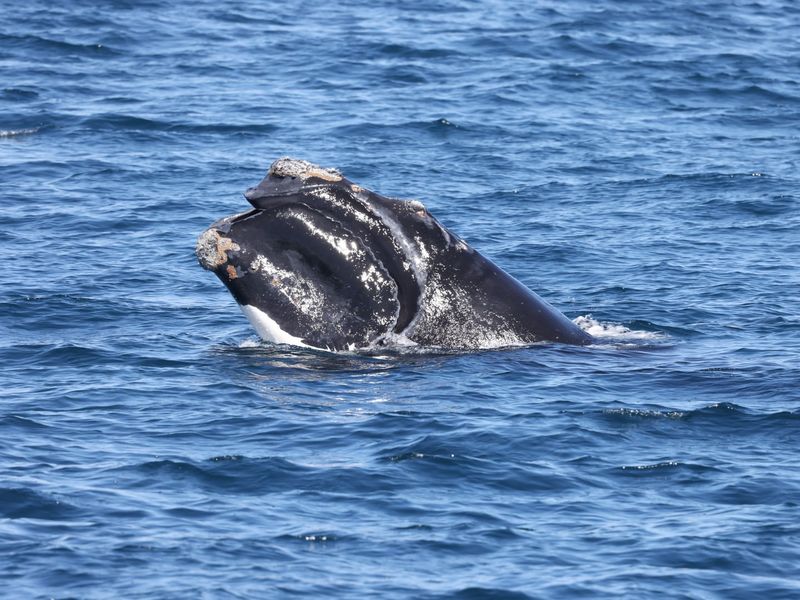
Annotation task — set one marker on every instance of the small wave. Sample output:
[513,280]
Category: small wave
[26,503]
[640,413]
[127,122]
[720,414]
[244,475]
[56,47]
[652,467]
[666,467]
[313,537]
[397,50]
[613,331]
[436,128]
[10,133]
[22,423]
[19,94]
[720,409]
[483,593]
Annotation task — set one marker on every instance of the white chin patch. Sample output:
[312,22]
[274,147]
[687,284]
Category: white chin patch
[268,329]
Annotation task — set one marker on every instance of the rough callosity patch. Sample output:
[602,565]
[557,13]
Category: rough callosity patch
[293,167]
[212,249]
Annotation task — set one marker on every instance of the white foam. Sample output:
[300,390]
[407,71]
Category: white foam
[395,341]
[268,329]
[5,133]
[612,331]
[250,343]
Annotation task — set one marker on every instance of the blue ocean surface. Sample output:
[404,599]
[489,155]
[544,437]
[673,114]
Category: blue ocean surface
[637,164]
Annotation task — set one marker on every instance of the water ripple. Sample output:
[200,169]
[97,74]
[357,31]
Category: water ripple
[634,163]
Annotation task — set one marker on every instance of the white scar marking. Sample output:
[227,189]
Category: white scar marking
[346,248]
[304,296]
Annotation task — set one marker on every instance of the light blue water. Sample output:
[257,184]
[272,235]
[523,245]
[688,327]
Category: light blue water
[635,163]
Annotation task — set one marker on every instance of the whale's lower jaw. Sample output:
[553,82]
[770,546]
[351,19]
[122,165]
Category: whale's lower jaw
[268,329]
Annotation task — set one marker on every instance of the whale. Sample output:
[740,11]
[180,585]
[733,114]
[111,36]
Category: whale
[322,262]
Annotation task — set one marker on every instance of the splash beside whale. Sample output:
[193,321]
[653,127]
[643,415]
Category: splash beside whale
[322,262]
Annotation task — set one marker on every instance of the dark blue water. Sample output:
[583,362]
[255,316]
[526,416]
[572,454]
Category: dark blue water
[635,163]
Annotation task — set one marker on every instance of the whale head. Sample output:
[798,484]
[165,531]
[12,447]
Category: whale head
[320,261]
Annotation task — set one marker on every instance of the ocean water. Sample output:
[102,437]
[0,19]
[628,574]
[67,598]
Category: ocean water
[635,163]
